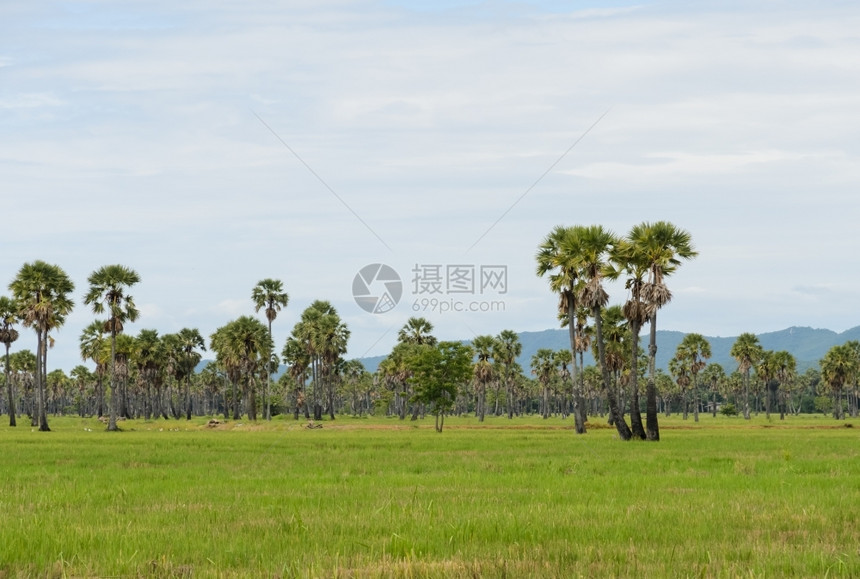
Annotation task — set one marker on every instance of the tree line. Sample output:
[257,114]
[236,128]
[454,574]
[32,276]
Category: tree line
[152,375]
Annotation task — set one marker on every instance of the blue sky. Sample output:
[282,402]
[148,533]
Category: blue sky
[153,135]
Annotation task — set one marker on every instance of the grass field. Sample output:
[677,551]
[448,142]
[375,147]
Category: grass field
[379,498]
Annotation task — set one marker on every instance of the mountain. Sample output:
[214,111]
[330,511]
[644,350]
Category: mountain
[807,345]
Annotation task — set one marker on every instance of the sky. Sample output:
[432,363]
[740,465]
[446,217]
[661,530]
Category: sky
[212,144]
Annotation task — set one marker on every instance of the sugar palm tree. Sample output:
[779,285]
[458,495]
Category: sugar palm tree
[107,294]
[543,367]
[747,351]
[189,341]
[506,349]
[8,334]
[92,342]
[696,350]
[417,331]
[785,366]
[839,367]
[557,258]
[660,246]
[714,375]
[630,259]
[482,372]
[594,245]
[41,291]
[269,294]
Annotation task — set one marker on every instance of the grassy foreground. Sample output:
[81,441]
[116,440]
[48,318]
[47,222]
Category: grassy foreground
[380,498]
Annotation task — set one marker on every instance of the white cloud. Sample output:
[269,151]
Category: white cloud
[131,137]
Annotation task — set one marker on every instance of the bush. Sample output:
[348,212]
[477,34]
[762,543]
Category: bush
[728,409]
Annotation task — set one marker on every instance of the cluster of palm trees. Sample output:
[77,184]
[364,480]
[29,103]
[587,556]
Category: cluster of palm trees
[578,260]
[152,375]
[162,366]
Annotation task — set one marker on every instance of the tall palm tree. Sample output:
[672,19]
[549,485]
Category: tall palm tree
[629,258]
[594,246]
[417,331]
[41,291]
[747,351]
[269,294]
[558,257]
[107,294]
[8,334]
[661,246]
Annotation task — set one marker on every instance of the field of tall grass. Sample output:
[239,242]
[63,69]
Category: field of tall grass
[380,497]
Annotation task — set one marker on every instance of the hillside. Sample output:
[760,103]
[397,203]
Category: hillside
[807,345]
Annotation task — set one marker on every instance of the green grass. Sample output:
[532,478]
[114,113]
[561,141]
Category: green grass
[380,498]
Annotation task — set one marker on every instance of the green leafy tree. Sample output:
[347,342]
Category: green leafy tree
[269,294]
[41,291]
[438,372]
[108,294]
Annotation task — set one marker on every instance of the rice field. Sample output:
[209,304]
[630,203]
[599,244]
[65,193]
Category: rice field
[383,498]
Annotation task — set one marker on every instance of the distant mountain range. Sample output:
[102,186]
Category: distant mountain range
[807,345]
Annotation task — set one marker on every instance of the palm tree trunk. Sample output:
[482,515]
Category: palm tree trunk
[9,396]
[41,373]
[578,400]
[652,428]
[635,415]
[614,412]
[747,395]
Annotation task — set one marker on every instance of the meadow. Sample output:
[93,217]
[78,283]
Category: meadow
[383,498]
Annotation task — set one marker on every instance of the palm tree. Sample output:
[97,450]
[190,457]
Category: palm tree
[785,367]
[92,341]
[714,375]
[8,334]
[149,357]
[747,351]
[695,350]
[628,257]
[555,259]
[417,331]
[41,291]
[660,246]
[269,294]
[543,367]
[839,366]
[594,245]
[482,372]
[506,349]
[108,286]
[189,340]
